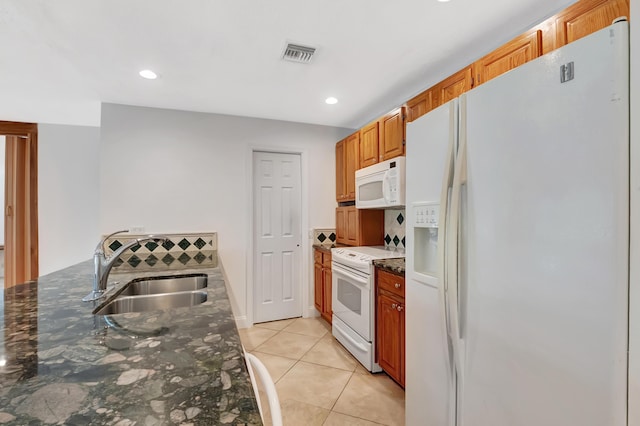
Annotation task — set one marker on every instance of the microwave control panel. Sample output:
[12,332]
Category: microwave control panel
[426,215]
[392,175]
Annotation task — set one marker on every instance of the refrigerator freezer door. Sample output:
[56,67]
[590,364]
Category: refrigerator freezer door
[545,242]
[430,385]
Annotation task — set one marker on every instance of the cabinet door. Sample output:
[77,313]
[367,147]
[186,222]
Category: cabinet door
[326,294]
[420,105]
[341,191]
[351,160]
[403,343]
[392,134]
[352,225]
[586,17]
[317,273]
[359,227]
[369,145]
[518,51]
[453,86]
[389,326]
[341,225]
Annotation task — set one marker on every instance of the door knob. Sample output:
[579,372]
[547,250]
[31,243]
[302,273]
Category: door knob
[397,285]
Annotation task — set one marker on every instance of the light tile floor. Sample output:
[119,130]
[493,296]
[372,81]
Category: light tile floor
[318,381]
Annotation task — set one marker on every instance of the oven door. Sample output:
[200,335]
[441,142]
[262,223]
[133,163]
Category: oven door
[351,298]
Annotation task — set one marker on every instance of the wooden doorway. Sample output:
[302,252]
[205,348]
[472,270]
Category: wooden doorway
[21,202]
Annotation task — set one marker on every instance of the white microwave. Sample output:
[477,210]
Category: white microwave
[382,185]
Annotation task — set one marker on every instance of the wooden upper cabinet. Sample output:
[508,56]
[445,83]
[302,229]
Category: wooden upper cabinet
[359,227]
[420,105]
[453,86]
[369,145]
[347,160]
[392,134]
[351,164]
[352,226]
[518,51]
[341,191]
[586,17]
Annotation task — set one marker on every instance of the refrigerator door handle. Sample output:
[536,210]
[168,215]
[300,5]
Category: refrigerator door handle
[452,245]
[445,194]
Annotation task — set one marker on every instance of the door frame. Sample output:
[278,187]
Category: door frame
[247,320]
[21,202]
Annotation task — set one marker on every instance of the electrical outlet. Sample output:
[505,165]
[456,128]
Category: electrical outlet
[136,229]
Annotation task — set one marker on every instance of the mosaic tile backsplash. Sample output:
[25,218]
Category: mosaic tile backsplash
[326,236]
[394,228]
[179,251]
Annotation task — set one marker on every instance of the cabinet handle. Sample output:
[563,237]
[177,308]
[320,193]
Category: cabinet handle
[397,285]
[394,306]
[400,308]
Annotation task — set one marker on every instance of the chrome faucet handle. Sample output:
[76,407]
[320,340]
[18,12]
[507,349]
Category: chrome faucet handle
[162,238]
[100,246]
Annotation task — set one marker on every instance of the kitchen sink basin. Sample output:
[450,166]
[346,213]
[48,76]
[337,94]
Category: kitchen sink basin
[151,302]
[168,284]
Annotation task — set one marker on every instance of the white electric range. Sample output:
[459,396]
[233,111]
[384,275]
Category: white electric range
[353,299]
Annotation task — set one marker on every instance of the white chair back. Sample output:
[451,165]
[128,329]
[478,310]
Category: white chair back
[256,367]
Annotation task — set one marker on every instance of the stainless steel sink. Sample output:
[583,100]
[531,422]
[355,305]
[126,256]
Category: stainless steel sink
[152,302]
[168,284]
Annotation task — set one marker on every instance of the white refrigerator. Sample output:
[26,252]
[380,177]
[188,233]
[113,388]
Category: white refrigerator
[518,246]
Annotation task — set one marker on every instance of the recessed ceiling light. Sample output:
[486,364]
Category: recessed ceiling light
[331,100]
[148,74]
[443,1]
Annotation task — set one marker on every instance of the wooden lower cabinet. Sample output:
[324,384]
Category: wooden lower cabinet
[322,283]
[390,324]
[358,227]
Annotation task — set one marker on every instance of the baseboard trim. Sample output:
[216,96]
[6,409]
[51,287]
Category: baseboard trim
[242,322]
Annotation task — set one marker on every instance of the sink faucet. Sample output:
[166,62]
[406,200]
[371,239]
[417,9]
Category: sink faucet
[102,264]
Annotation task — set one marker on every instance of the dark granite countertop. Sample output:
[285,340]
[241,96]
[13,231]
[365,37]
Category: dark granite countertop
[395,266]
[59,364]
[324,247]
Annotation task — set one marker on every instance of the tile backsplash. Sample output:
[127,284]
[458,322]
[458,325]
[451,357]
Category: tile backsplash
[394,228]
[325,236]
[179,251]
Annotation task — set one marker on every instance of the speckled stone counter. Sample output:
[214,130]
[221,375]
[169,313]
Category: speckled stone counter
[324,247]
[395,266]
[59,364]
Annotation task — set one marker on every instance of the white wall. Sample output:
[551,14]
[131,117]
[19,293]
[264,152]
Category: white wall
[634,261]
[68,198]
[175,171]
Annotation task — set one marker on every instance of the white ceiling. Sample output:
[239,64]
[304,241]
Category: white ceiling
[224,56]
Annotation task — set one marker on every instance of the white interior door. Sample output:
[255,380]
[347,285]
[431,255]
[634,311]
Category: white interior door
[277,236]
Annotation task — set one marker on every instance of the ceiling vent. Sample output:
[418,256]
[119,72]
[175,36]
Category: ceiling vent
[298,53]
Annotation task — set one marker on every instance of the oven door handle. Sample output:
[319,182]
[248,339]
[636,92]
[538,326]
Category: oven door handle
[357,279]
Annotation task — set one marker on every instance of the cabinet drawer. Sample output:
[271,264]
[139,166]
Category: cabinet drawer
[391,282]
[317,256]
